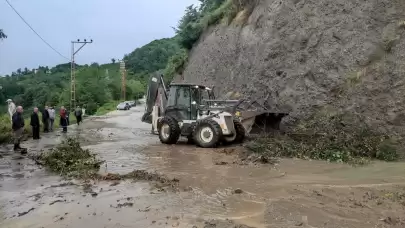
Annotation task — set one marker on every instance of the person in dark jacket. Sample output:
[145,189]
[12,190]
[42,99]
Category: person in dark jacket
[78,114]
[18,129]
[35,124]
[45,119]
[63,120]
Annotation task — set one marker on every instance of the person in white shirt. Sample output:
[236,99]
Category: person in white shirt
[51,112]
[11,109]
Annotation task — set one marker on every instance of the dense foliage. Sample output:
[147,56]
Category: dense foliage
[95,86]
[151,57]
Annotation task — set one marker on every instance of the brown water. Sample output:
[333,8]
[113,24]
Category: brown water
[293,193]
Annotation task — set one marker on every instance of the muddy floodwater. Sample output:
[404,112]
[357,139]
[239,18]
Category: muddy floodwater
[215,190]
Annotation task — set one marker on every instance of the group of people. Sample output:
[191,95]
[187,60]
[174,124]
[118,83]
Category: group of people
[48,119]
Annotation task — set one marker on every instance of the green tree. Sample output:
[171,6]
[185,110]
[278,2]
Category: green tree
[152,57]
[112,60]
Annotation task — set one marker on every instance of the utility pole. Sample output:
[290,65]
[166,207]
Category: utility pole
[123,79]
[72,71]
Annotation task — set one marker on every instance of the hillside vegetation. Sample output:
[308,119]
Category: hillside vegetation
[98,87]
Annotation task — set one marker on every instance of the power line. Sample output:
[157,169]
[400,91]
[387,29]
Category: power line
[34,30]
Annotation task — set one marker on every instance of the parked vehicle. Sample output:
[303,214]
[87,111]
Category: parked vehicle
[123,106]
[131,103]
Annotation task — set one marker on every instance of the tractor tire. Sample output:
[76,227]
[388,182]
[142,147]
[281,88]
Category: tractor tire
[169,130]
[207,133]
[240,134]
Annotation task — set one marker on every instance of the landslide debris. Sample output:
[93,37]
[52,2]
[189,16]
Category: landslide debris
[335,137]
[70,159]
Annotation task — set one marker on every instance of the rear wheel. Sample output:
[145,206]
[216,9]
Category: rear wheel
[169,130]
[207,133]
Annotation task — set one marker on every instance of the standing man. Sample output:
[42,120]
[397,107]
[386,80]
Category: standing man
[78,114]
[18,129]
[63,120]
[11,109]
[51,112]
[35,124]
[45,119]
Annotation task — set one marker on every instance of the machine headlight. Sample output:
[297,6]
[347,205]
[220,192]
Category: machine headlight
[237,114]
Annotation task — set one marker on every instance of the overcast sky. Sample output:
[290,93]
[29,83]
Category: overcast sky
[116,26]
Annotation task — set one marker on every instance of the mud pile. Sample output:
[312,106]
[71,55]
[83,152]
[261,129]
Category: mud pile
[142,175]
[296,56]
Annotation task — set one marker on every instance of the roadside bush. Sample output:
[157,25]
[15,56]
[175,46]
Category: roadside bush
[70,159]
[336,138]
[107,107]
[91,108]
[5,129]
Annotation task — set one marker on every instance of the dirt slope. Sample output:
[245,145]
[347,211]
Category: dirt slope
[296,55]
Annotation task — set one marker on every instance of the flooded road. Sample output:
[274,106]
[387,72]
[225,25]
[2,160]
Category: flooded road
[216,190]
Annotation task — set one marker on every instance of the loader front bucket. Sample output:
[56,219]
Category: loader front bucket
[261,122]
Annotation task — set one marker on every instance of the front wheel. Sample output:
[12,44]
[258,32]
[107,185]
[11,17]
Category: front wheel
[169,130]
[239,136]
[207,133]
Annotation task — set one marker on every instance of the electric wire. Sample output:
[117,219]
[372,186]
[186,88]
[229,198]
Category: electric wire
[35,31]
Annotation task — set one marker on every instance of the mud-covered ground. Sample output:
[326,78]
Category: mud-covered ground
[215,188]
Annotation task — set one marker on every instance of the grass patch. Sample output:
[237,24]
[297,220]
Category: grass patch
[71,160]
[106,108]
[334,137]
[5,129]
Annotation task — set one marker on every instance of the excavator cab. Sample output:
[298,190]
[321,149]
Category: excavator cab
[185,101]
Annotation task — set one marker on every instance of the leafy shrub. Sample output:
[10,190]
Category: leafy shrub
[176,64]
[337,138]
[91,108]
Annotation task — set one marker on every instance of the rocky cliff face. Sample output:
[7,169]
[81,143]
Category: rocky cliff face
[298,55]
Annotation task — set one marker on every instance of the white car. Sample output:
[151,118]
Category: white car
[123,106]
[131,103]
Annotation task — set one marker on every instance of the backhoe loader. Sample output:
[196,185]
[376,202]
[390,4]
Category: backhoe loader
[192,111]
